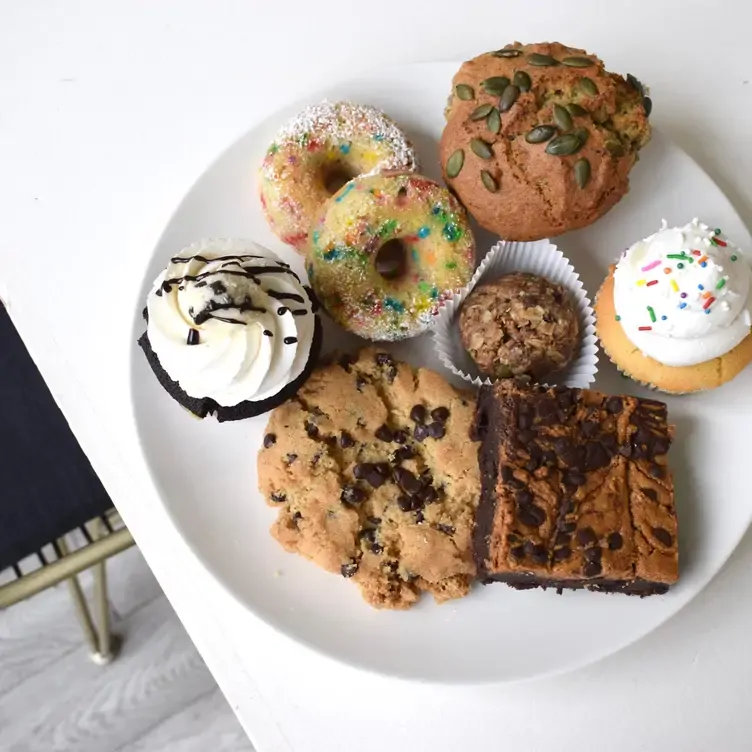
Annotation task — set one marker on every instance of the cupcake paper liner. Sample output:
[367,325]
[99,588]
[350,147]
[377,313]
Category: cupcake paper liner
[541,258]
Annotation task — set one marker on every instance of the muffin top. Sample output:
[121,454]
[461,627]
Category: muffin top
[540,138]
[519,324]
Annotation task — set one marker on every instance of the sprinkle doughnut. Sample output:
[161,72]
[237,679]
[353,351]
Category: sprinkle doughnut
[316,153]
[387,251]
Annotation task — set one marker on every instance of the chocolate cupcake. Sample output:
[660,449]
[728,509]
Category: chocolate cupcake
[519,324]
[231,329]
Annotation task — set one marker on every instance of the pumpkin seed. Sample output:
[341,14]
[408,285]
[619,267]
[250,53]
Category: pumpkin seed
[508,98]
[647,103]
[576,110]
[495,85]
[454,163]
[493,121]
[463,91]
[562,118]
[489,181]
[481,148]
[540,133]
[535,58]
[562,146]
[635,83]
[615,148]
[577,62]
[481,111]
[583,134]
[588,86]
[522,81]
[507,53]
[582,172]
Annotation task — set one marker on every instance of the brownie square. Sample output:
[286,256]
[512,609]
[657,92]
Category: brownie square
[576,490]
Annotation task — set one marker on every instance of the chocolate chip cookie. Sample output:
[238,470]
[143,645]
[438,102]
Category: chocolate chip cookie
[519,324]
[374,477]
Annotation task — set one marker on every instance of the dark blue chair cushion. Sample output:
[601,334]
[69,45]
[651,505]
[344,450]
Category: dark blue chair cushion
[47,485]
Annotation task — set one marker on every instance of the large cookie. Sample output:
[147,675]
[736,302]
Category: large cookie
[540,138]
[375,478]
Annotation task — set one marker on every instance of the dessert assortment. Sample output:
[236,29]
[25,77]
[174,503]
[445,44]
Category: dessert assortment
[386,474]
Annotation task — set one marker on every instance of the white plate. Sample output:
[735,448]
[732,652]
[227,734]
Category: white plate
[207,477]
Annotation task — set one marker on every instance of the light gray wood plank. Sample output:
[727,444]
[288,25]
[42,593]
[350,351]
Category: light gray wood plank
[41,630]
[77,705]
[207,724]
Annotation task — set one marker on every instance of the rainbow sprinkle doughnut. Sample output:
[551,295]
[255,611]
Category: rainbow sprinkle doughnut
[386,253]
[316,153]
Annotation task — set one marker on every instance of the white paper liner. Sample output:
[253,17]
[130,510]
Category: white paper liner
[541,258]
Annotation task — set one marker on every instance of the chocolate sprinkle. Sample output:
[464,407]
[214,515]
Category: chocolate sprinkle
[193,337]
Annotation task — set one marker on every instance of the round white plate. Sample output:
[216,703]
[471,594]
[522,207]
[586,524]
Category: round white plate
[206,472]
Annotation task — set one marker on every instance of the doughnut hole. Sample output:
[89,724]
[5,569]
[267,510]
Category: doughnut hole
[335,176]
[391,259]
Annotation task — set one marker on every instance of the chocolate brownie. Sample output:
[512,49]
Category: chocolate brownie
[374,478]
[576,491]
[519,324]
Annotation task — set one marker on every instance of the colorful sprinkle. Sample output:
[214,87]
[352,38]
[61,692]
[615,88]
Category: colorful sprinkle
[716,241]
[682,305]
[651,313]
[717,231]
[652,282]
[680,265]
[667,270]
[641,283]
[424,232]
[682,256]
[393,305]
[344,192]
[700,287]
[450,265]
[452,232]
[684,295]
[674,285]
[344,148]
[709,302]
[705,295]
[618,318]
[720,284]
[378,137]
[734,257]
[702,260]
[644,328]
[697,253]
[663,318]
[651,266]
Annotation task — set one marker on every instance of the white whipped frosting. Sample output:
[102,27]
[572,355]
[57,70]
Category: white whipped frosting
[697,310]
[248,312]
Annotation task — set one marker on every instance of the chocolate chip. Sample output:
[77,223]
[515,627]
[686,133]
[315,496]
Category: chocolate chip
[592,554]
[360,382]
[420,433]
[436,430]
[589,429]
[592,569]
[657,471]
[346,441]
[564,397]
[562,553]
[526,436]
[384,359]
[352,495]
[586,536]
[409,503]
[615,541]
[546,410]
[661,445]
[549,458]
[524,497]
[376,548]
[193,337]
[448,529]
[419,517]
[425,476]
[409,483]
[650,493]
[536,551]
[374,520]
[642,436]
[279,497]
[383,433]
[375,478]
[441,414]
[663,536]
[367,534]
[391,374]
[362,469]
[513,538]
[518,552]
[269,440]
[399,437]
[569,507]
[614,405]
[625,450]
[316,457]
[563,445]
[290,458]
[404,453]
[428,495]
[562,539]
[311,429]
[595,456]
[418,414]
[515,482]
[346,361]
[524,421]
[531,465]
[569,527]
[532,515]
[349,569]
[507,473]
[575,479]
[609,442]
[296,518]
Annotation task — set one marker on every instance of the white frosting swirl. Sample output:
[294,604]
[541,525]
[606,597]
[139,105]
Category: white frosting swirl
[682,295]
[248,313]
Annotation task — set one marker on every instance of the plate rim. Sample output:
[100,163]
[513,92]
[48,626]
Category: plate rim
[274,625]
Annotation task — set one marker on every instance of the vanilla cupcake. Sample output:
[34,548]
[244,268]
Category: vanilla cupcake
[675,311]
[231,329]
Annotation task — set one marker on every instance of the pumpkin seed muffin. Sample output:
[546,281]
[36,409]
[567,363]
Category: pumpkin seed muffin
[519,324]
[375,478]
[540,138]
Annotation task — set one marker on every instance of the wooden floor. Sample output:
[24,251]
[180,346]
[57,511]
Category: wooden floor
[158,696]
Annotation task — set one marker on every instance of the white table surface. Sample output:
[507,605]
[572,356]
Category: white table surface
[109,109]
